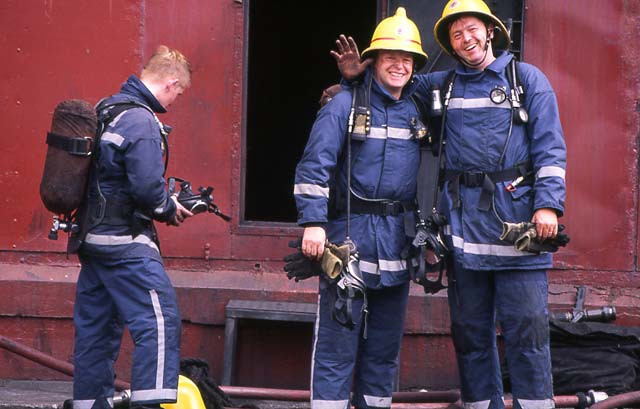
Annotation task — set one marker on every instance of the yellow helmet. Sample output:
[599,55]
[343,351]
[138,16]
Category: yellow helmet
[398,33]
[457,8]
[189,396]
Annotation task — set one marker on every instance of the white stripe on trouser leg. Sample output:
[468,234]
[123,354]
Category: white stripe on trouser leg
[536,404]
[483,404]
[377,401]
[329,404]
[321,404]
[315,342]
[157,309]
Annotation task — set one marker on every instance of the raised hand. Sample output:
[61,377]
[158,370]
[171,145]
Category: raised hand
[348,58]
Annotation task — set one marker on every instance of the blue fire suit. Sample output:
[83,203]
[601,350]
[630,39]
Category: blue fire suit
[491,280]
[384,166]
[122,281]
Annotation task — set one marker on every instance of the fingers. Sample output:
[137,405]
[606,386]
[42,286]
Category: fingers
[353,45]
[546,231]
[341,43]
[312,250]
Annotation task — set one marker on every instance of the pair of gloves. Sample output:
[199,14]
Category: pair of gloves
[525,238]
[299,267]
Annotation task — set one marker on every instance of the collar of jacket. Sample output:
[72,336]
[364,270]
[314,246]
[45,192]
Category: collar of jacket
[136,88]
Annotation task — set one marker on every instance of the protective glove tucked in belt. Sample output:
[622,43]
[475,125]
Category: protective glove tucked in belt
[525,238]
[334,258]
[298,266]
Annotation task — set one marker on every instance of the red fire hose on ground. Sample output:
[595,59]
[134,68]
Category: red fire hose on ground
[402,400]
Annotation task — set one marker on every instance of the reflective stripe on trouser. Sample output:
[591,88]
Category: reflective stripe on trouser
[111,294]
[518,299]
[341,355]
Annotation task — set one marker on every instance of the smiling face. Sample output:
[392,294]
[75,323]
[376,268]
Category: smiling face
[393,70]
[468,37]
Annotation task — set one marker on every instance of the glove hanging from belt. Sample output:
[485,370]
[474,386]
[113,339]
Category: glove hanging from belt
[300,267]
[334,259]
[525,238]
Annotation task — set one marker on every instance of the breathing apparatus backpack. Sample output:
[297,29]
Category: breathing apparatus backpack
[72,145]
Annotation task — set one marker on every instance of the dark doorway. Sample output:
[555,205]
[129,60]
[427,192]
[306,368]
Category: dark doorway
[288,66]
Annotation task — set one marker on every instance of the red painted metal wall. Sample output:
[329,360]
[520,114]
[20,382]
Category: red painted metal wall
[55,50]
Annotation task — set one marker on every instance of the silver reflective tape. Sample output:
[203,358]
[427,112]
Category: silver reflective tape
[471,103]
[392,265]
[390,132]
[550,171]
[316,328]
[329,404]
[309,189]
[106,240]
[154,394]
[368,267]
[536,404]
[487,249]
[157,309]
[113,138]
[84,404]
[483,404]
[377,401]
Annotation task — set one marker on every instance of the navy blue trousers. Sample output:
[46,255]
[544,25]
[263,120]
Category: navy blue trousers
[344,361]
[517,301]
[110,295]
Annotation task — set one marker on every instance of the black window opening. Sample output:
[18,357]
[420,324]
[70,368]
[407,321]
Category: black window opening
[288,65]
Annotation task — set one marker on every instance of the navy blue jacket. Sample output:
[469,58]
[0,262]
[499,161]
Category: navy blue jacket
[384,166]
[476,133]
[129,172]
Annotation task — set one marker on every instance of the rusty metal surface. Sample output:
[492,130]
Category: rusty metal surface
[56,50]
[594,70]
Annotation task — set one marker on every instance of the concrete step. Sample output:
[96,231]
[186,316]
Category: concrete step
[20,394]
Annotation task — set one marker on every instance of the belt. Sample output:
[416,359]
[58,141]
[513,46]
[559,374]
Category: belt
[486,180]
[381,207]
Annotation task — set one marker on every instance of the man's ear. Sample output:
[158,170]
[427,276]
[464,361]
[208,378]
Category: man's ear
[490,29]
[172,82]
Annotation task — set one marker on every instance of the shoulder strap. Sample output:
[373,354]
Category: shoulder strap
[107,112]
[361,111]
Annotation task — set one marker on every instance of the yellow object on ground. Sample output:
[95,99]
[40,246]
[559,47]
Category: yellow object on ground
[189,396]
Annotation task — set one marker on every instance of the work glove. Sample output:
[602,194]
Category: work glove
[298,266]
[333,259]
[525,238]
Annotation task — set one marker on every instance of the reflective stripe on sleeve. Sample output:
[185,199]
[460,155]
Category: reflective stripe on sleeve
[113,138]
[550,171]
[309,189]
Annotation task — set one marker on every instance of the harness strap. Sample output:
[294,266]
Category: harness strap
[486,180]
[79,146]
